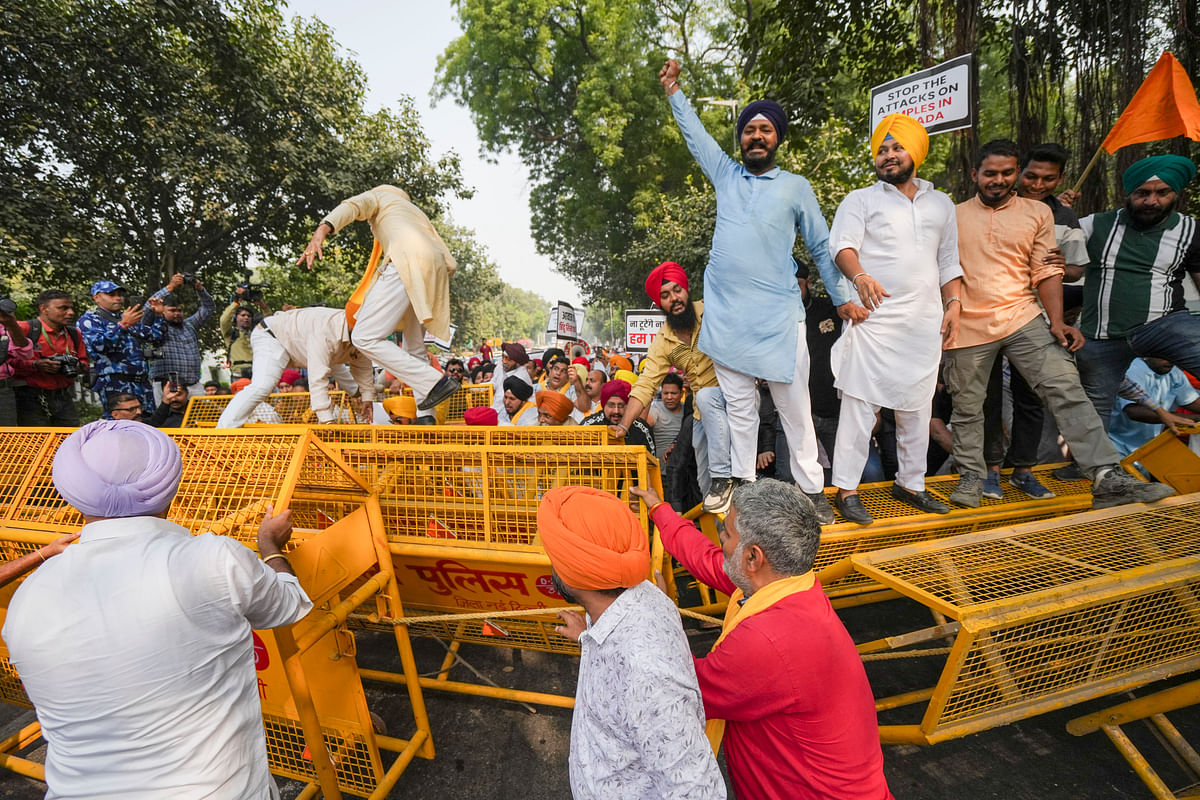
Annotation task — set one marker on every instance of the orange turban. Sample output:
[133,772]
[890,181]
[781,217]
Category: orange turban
[592,538]
[401,406]
[239,384]
[555,404]
[616,362]
[907,131]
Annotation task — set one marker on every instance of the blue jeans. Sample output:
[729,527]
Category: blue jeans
[1102,362]
[710,438]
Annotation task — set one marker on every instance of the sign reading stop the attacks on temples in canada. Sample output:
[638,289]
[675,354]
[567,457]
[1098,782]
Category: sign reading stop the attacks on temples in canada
[939,97]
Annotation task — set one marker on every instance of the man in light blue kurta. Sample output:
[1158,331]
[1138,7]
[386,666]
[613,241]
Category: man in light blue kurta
[753,309]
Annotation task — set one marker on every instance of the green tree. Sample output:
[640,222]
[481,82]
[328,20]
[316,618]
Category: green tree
[140,138]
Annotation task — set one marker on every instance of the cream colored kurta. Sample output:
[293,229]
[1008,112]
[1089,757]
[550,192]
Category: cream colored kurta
[412,245]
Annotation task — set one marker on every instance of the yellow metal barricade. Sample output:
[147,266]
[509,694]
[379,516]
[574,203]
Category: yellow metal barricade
[1169,460]
[317,725]
[465,436]
[1151,709]
[470,395]
[1047,614]
[280,408]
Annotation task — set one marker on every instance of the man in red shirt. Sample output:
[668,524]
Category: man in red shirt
[48,396]
[784,679]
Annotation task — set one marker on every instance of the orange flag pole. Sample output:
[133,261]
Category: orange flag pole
[1163,107]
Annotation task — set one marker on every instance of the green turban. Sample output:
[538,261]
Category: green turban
[1174,171]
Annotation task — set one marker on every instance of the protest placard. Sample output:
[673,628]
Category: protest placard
[641,325]
[939,97]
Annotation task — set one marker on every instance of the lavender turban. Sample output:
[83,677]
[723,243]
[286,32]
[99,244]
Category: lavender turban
[118,468]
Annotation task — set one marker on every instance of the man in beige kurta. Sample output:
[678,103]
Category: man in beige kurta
[409,292]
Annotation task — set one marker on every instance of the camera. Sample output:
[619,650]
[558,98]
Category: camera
[189,278]
[7,306]
[253,292]
[68,364]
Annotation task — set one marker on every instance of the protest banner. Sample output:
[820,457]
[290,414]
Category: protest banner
[939,98]
[564,322]
[641,326]
[444,344]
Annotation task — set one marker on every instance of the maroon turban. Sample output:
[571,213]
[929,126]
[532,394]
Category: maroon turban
[516,352]
[614,389]
[666,271]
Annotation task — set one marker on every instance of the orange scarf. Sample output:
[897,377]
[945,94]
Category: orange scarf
[737,611]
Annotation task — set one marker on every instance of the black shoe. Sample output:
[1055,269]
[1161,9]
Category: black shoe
[442,390]
[821,506]
[1071,472]
[922,500]
[1116,487]
[852,508]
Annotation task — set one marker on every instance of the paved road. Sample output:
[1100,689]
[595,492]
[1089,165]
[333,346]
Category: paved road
[492,750]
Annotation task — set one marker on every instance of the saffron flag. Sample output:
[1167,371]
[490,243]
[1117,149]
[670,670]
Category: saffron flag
[1163,107]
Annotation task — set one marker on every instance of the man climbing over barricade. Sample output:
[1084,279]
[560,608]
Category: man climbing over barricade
[408,290]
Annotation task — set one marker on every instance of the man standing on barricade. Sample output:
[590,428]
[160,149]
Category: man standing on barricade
[1133,302]
[134,644]
[675,346]
[408,291]
[898,244]
[637,730]
[1003,243]
[754,315]
[314,338]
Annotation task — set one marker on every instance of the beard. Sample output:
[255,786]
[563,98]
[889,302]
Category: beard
[557,583]
[903,176]
[683,321]
[759,163]
[736,574]
[1144,218]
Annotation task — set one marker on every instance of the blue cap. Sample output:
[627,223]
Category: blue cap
[108,287]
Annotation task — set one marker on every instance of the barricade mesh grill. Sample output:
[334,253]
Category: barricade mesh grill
[522,632]
[290,408]
[1032,660]
[11,689]
[20,448]
[467,436]
[471,395]
[972,573]
[287,755]
[39,502]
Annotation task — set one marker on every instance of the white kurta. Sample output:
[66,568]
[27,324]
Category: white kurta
[911,247]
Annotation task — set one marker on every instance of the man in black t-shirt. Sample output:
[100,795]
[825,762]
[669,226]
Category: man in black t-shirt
[613,398]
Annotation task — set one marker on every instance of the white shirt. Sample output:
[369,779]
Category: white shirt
[911,247]
[498,384]
[134,646]
[318,340]
[638,726]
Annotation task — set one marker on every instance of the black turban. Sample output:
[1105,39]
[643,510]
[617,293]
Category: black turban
[520,389]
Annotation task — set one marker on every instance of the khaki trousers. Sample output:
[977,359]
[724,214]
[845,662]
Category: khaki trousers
[1050,370]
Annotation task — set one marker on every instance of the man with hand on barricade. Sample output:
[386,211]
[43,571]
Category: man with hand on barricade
[316,338]
[784,686]
[754,312]
[638,725]
[675,345]
[408,291]
[134,645]
[613,399]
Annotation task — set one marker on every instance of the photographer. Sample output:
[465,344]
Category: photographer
[14,348]
[170,411]
[237,323]
[178,360]
[116,339]
[59,358]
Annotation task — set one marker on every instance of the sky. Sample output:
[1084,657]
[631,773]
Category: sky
[398,44]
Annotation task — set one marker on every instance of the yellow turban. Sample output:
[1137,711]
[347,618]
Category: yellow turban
[401,406]
[625,375]
[592,538]
[907,131]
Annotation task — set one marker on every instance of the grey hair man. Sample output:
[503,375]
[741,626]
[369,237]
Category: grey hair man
[784,737]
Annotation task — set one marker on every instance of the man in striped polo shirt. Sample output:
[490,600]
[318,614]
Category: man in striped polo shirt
[1133,301]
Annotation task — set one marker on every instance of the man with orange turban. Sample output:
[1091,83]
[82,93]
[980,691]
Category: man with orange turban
[897,241]
[553,407]
[675,345]
[638,726]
